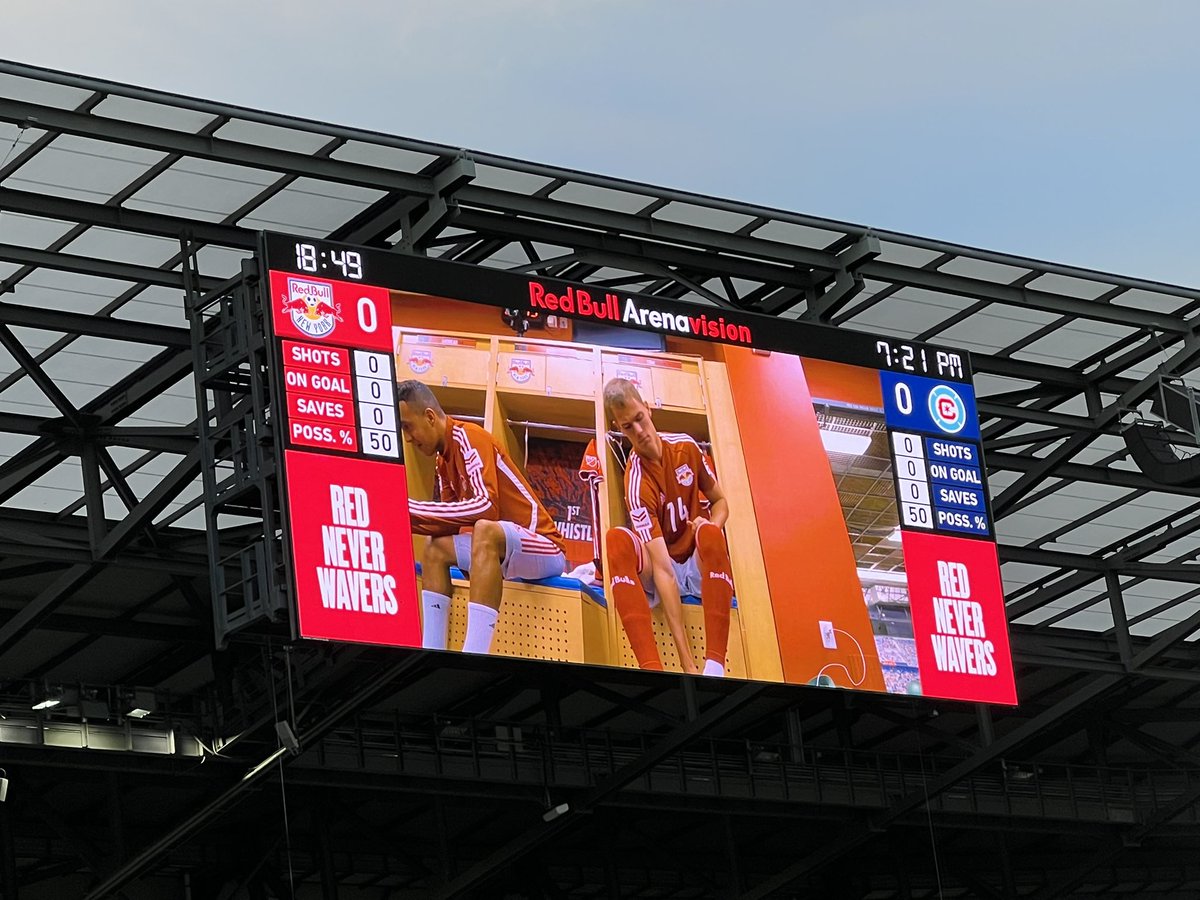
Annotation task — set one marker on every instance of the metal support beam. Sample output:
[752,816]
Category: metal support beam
[625,251]
[1116,604]
[142,516]
[1012,462]
[555,821]
[43,604]
[856,835]
[1023,297]
[255,156]
[1182,358]
[233,794]
[122,399]
[18,314]
[136,221]
[96,268]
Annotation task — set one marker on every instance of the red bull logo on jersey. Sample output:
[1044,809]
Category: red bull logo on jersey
[311,308]
[684,475]
[520,370]
[947,409]
[420,361]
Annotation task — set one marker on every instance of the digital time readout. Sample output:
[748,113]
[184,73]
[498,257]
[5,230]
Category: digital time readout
[331,262]
[920,360]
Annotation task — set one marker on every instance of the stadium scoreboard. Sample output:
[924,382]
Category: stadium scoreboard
[347,324]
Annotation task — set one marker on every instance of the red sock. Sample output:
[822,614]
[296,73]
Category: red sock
[716,590]
[630,597]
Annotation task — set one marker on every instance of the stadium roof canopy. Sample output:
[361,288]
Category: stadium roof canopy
[106,188]
[102,183]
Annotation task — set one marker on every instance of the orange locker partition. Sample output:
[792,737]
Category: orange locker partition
[810,566]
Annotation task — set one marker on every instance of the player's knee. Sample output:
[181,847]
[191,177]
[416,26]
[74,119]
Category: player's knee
[621,548]
[439,551]
[487,537]
[710,541]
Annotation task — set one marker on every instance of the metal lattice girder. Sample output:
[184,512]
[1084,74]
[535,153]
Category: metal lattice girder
[512,850]
[1063,355]
[410,667]
[855,836]
[234,152]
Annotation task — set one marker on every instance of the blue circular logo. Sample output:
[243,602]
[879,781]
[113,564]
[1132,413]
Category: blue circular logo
[947,409]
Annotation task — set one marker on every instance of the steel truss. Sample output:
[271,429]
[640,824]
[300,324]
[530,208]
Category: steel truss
[424,777]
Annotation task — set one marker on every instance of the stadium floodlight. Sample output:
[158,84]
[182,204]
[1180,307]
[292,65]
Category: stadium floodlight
[49,698]
[141,704]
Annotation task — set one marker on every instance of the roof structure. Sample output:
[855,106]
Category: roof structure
[105,189]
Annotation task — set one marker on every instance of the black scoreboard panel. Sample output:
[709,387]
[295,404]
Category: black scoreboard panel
[756,498]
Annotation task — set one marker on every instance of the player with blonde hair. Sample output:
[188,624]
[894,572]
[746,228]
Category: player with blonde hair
[673,543]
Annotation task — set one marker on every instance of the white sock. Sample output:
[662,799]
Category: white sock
[714,668]
[435,620]
[481,625]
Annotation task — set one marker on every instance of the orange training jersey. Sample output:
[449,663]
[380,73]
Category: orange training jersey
[663,497]
[477,480]
[593,475]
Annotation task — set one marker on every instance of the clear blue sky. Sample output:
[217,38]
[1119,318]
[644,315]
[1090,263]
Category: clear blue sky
[1061,129]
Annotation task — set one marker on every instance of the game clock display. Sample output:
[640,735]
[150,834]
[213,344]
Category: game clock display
[817,497]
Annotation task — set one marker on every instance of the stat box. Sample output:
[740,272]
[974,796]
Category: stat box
[961,631]
[352,550]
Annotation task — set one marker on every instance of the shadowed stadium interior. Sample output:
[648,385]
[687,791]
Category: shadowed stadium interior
[145,759]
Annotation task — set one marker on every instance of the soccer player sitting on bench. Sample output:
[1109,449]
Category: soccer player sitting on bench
[673,547]
[479,488]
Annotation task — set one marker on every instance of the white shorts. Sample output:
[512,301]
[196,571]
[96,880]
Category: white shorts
[687,576]
[687,573]
[527,554]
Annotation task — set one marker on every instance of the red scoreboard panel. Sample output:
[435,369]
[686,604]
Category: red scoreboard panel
[480,461]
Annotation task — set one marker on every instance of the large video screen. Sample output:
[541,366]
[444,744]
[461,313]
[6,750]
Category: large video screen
[487,462]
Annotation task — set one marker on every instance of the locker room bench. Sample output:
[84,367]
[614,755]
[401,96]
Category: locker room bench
[552,618]
[566,620]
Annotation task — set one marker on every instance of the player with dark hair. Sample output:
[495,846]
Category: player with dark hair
[478,488]
[673,545]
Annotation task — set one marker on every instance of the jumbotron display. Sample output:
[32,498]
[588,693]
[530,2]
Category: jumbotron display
[487,462]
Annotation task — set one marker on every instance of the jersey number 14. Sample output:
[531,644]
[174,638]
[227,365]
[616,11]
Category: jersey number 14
[678,514]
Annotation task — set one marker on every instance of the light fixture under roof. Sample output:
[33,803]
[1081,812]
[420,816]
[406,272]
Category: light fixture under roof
[48,698]
[850,443]
[141,704]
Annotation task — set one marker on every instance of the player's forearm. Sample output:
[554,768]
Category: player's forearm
[718,513]
[667,590]
[433,528]
[437,518]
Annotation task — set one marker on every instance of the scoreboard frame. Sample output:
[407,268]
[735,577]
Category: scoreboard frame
[340,283]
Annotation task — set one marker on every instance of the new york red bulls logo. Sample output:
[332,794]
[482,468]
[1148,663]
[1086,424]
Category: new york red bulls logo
[311,307]
[684,475]
[520,370]
[420,361]
[630,375]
